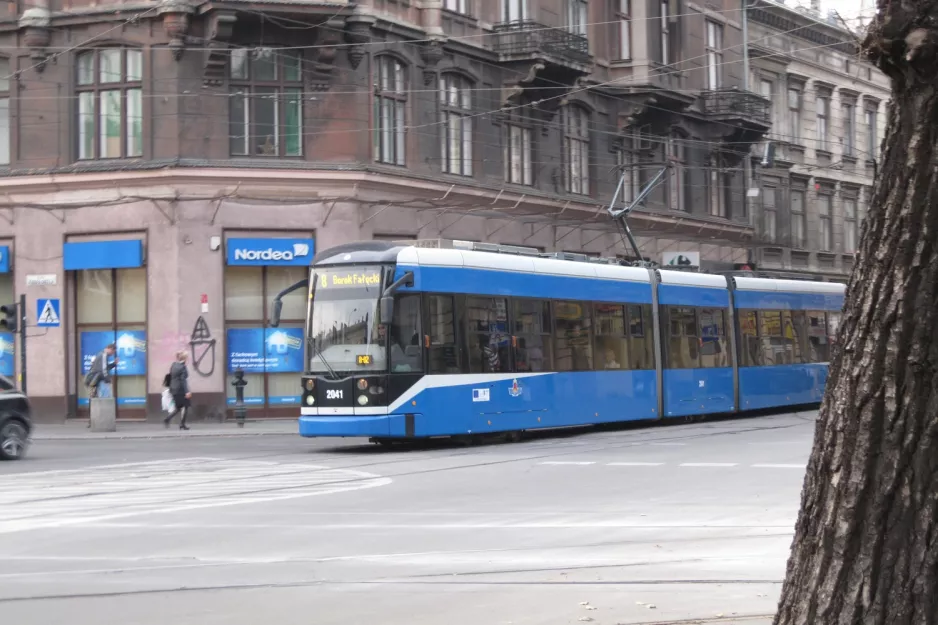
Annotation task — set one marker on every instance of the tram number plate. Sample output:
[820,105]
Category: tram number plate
[333,393]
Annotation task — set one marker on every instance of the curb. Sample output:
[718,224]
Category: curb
[97,436]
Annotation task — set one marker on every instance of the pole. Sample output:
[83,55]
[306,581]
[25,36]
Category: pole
[22,314]
[239,383]
[747,166]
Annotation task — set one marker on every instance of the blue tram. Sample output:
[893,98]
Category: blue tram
[411,342]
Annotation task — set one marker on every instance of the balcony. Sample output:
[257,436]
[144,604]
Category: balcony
[736,105]
[527,40]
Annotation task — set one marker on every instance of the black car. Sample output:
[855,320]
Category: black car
[16,423]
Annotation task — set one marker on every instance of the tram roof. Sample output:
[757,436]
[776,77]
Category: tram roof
[788,286]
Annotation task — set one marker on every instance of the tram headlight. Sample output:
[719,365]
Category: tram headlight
[362,384]
[310,400]
[362,400]
[310,384]
[375,390]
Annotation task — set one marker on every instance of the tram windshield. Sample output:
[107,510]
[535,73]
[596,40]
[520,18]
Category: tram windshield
[343,328]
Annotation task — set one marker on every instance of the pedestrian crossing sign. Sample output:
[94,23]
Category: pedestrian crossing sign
[47,313]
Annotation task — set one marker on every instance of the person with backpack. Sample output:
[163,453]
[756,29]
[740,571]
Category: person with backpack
[179,389]
[98,378]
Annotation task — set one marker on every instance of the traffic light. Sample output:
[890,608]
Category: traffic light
[9,321]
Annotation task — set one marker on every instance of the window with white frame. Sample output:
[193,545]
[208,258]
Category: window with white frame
[457,6]
[577,17]
[851,231]
[825,231]
[848,112]
[872,140]
[576,149]
[714,55]
[518,151]
[390,104]
[110,103]
[665,32]
[823,117]
[676,156]
[4,111]
[798,227]
[456,124]
[624,15]
[265,104]
[794,115]
[769,214]
[514,10]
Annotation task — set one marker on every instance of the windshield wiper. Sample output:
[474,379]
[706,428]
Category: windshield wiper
[332,372]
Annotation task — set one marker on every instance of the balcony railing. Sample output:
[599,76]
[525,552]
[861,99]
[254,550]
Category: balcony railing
[736,104]
[526,38]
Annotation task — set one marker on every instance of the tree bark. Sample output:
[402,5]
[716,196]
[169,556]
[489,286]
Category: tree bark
[865,550]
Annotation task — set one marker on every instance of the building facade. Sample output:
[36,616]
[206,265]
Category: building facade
[170,166]
[815,170]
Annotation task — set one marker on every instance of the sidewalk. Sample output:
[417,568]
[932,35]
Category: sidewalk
[79,430]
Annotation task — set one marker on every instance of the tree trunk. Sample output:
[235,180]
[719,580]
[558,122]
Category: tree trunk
[865,549]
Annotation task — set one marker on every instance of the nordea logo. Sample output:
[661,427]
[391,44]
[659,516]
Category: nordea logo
[299,249]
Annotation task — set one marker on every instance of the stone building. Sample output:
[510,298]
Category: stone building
[169,166]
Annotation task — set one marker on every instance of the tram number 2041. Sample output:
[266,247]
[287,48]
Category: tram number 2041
[333,393]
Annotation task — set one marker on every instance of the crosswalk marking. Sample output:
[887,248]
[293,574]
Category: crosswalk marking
[634,464]
[780,466]
[707,464]
[723,465]
[60,498]
[562,463]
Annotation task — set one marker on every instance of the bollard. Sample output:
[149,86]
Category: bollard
[239,384]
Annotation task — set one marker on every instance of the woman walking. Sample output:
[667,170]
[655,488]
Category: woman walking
[179,388]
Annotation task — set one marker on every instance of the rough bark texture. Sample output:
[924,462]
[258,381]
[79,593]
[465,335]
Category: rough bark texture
[865,550]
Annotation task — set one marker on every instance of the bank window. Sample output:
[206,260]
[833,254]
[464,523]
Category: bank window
[818,337]
[487,334]
[572,345]
[406,354]
[111,307]
[7,339]
[684,338]
[641,341]
[271,358]
[611,337]
[531,319]
[265,103]
[714,350]
[750,349]
[110,103]
[441,328]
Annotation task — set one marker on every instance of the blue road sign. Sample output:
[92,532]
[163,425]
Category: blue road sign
[47,313]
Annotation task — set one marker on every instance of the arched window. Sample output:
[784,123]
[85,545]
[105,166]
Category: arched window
[390,103]
[677,146]
[576,150]
[456,124]
[4,111]
[265,110]
[110,103]
[519,147]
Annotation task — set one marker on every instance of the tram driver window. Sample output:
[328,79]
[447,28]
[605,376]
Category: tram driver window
[487,335]
[572,347]
[406,355]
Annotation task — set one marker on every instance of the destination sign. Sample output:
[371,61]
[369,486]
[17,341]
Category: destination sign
[364,359]
[351,278]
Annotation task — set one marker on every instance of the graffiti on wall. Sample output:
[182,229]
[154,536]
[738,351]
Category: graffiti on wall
[202,346]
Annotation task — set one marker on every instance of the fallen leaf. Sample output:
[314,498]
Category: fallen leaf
[651,606]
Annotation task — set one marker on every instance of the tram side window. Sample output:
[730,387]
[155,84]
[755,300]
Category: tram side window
[818,343]
[774,349]
[750,349]
[714,350]
[441,327]
[572,346]
[794,323]
[487,335]
[611,338]
[683,341]
[406,355]
[641,340]
[531,319]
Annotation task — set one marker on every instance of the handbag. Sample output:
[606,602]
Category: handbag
[167,400]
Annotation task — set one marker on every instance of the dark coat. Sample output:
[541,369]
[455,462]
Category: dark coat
[178,379]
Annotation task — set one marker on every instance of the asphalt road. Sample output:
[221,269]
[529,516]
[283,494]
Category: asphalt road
[650,525]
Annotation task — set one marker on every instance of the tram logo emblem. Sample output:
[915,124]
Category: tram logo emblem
[515,389]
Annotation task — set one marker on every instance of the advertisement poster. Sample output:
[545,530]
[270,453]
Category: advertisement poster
[7,355]
[131,356]
[265,350]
